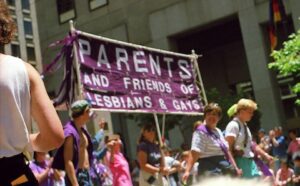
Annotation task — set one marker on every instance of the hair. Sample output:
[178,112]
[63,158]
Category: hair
[146,127]
[284,162]
[246,104]
[7,24]
[196,124]
[213,107]
[294,131]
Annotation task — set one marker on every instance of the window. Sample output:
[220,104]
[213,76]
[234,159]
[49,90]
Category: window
[25,4]
[27,28]
[66,10]
[11,2]
[97,3]
[30,54]
[15,50]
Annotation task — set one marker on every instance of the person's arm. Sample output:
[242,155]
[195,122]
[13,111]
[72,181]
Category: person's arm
[277,178]
[142,159]
[50,135]
[231,141]
[263,154]
[41,176]
[100,153]
[193,157]
[68,156]
[239,171]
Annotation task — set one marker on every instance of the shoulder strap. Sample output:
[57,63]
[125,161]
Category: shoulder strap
[245,131]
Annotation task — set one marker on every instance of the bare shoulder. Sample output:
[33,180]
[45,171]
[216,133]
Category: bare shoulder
[32,72]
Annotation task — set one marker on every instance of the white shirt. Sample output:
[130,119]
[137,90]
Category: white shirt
[206,146]
[238,132]
[15,117]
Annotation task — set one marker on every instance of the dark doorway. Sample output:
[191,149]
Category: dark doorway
[223,65]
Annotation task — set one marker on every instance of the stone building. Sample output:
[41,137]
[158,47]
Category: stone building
[230,34]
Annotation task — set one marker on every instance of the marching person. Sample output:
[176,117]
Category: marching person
[210,147]
[151,163]
[23,96]
[239,138]
[76,154]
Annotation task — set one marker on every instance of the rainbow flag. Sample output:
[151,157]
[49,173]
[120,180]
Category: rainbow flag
[277,15]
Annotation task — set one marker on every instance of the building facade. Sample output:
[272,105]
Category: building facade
[26,44]
[230,34]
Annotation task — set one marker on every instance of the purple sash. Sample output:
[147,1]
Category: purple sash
[207,131]
[262,166]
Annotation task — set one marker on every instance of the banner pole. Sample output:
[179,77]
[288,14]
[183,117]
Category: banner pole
[195,60]
[76,62]
[160,144]
[163,126]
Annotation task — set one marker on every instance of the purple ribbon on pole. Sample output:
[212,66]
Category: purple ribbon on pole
[66,91]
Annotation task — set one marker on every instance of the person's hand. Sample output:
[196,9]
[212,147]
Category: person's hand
[185,177]
[110,144]
[56,175]
[164,171]
[102,124]
[239,172]
[270,159]
[272,134]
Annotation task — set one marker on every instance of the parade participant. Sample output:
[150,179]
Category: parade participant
[41,168]
[194,171]
[279,146]
[264,141]
[284,175]
[296,160]
[75,156]
[239,137]
[210,147]
[117,163]
[294,145]
[23,96]
[151,163]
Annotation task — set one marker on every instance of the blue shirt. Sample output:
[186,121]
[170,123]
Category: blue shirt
[280,150]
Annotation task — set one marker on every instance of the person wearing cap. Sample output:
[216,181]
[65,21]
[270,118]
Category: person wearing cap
[75,156]
[239,137]
[23,96]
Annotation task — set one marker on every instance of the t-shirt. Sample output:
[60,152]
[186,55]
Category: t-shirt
[294,146]
[119,169]
[280,150]
[236,129]
[206,145]
[152,151]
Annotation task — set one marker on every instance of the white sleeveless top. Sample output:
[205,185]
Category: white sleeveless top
[15,116]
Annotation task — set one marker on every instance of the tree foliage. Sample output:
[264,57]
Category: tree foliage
[287,59]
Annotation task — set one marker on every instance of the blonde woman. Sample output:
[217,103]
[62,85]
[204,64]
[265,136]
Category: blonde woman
[239,138]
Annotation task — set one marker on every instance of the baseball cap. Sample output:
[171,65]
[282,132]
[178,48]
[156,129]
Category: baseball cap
[78,107]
